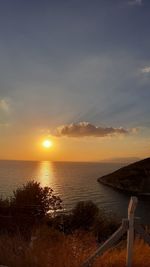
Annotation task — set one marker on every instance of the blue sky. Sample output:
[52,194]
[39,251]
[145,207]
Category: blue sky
[72,61]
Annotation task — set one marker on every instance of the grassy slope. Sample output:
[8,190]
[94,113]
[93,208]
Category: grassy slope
[56,250]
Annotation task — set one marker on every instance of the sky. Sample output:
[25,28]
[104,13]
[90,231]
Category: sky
[76,72]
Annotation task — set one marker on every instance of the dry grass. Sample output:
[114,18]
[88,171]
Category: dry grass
[117,257]
[53,249]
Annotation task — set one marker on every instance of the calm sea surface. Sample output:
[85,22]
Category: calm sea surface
[72,182]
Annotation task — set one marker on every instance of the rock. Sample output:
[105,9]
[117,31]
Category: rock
[134,178]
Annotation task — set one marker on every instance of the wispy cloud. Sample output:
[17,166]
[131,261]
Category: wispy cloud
[135,2]
[83,129]
[4,105]
[4,125]
[145,69]
[5,112]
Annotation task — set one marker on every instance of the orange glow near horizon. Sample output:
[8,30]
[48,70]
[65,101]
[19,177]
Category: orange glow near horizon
[30,147]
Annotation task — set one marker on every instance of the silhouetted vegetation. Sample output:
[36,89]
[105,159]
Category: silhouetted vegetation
[85,216]
[31,206]
[31,236]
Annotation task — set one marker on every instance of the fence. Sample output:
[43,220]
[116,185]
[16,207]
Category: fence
[129,225]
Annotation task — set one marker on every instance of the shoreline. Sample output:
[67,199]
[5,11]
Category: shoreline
[125,191]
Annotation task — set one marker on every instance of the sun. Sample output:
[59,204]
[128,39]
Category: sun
[47,143]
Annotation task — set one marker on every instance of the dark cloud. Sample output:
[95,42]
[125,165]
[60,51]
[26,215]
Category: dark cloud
[83,129]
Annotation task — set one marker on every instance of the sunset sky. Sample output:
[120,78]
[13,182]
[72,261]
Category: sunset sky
[76,72]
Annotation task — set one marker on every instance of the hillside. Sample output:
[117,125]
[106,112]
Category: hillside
[57,250]
[134,178]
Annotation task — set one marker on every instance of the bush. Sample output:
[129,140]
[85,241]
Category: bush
[29,205]
[84,215]
[105,226]
[87,216]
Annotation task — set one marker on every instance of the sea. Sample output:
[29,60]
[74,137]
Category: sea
[73,182]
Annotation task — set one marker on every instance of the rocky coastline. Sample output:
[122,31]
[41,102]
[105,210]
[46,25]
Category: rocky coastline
[132,179]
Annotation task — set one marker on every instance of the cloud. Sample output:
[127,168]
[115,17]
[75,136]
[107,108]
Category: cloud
[134,130]
[83,129]
[5,112]
[145,70]
[4,105]
[4,124]
[135,2]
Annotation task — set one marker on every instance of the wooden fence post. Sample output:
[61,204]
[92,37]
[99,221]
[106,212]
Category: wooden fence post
[130,235]
[128,225]
[108,243]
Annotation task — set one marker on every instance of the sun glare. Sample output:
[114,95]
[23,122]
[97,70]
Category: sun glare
[47,143]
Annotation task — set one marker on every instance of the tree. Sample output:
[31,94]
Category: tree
[35,200]
[31,204]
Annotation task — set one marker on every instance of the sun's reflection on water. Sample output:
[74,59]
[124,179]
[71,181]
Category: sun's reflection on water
[46,173]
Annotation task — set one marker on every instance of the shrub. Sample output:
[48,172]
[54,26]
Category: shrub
[29,205]
[34,200]
[84,215]
[105,226]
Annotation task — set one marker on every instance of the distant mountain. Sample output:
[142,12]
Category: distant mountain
[134,178]
[125,160]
